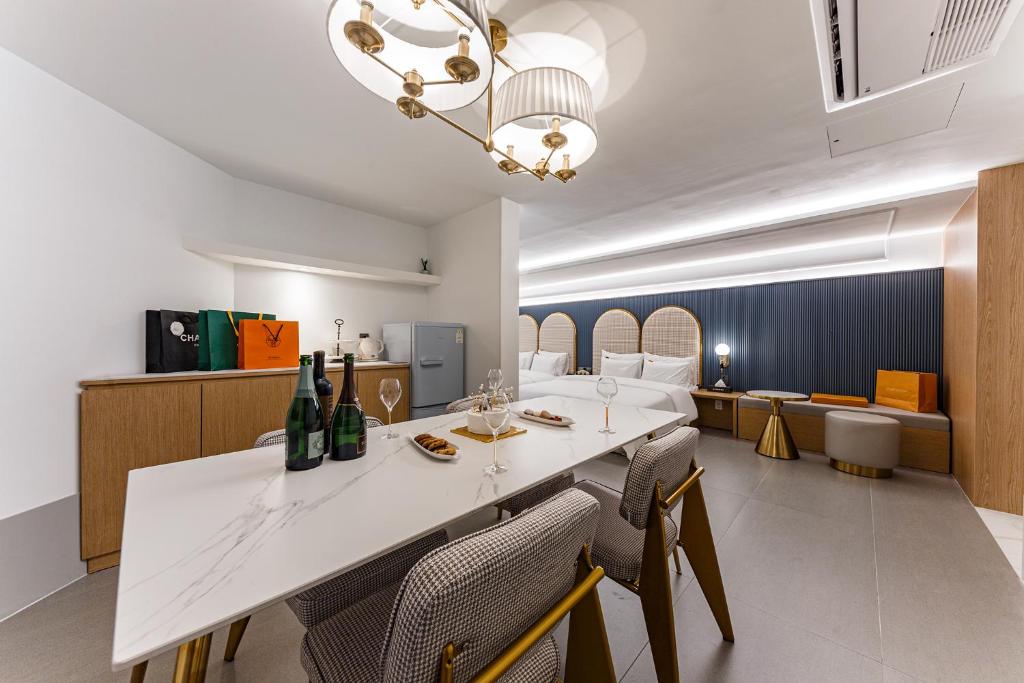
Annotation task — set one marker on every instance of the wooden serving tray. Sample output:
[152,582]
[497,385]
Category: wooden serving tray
[487,438]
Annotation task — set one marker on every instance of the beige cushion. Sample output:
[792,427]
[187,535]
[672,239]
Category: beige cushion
[934,421]
[862,439]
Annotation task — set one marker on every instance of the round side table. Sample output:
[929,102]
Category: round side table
[776,441]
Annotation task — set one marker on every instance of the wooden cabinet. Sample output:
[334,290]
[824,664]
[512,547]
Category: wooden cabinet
[143,420]
[717,409]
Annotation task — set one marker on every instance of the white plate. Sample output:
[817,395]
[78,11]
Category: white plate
[565,421]
[435,456]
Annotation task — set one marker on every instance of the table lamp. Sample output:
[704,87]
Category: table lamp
[722,350]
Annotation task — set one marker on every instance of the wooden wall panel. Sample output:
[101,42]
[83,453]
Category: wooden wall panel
[998,478]
[124,428]
[959,336]
[236,411]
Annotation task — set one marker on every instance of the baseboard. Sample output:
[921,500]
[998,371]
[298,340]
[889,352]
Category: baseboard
[40,554]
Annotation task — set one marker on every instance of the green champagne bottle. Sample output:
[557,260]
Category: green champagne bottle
[304,426]
[348,426]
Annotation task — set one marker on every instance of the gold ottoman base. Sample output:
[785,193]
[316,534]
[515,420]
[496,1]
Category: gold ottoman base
[860,470]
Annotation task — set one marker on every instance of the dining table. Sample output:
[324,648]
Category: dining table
[210,541]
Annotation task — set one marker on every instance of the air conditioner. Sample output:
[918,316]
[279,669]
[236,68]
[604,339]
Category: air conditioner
[867,48]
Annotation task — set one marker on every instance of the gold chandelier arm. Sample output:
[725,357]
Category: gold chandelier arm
[454,18]
[489,144]
[465,131]
[448,82]
[384,64]
[505,62]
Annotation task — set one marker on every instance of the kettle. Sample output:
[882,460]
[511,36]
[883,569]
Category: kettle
[369,348]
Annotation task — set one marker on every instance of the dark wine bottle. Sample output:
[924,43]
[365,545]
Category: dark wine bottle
[348,426]
[324,394]
[304,426]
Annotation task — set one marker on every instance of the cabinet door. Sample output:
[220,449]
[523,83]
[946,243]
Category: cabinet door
[124,428]
[368,391]
[236,411]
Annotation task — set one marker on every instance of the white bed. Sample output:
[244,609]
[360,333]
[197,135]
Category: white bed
[632,392]
[532,376]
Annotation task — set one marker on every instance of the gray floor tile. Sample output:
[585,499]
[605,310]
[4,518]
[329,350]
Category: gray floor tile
[810,485]
[723,507]
[951,607]
[891,675]
[809,570]
[766,649]
[731,464]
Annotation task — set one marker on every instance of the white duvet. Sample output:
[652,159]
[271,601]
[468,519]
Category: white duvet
[531,376]
[632,392]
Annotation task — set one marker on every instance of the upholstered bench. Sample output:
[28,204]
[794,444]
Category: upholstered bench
[862,443]
[924,437]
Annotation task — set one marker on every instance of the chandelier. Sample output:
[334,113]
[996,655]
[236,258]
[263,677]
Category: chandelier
[433,56]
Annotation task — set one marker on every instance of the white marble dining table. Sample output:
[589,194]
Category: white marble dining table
[212,540]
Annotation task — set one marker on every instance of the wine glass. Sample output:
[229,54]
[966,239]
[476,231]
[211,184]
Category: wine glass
[390,393]
[494,379]
[496,416]
[607,387]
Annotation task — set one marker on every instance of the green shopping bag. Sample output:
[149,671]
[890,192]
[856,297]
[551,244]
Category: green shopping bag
[218,337]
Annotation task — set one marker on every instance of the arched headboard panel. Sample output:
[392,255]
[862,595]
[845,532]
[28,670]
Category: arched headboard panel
[558,335]
[616,330]
[529,332]
[674,331]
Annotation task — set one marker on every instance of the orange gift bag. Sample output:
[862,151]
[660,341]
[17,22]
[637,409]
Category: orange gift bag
[268,344]
[915,391]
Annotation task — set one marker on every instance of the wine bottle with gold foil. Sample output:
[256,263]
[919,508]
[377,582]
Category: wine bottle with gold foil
[348,426]
[304,426]
[324,394]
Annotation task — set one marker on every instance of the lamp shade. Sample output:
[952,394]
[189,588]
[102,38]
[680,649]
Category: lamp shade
[722,350]
[420,39]
[525,106]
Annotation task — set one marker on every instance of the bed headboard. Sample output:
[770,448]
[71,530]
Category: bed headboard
[674,331]
[558,335]
[616,330]
[529,332]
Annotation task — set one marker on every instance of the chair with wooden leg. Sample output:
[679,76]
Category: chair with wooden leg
[637,534]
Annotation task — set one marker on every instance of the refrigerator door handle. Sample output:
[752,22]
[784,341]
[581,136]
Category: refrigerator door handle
[427,360]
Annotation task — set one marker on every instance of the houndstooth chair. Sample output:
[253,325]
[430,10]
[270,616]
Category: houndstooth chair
[636,535]
[463,604]
[527,499]
[315,604]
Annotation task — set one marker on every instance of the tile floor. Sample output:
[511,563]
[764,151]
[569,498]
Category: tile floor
[1008,530]
[829,577]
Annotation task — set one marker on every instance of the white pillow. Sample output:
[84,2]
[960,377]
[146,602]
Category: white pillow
[551,364]
[678,372]
[562,365]
[615,367]
[620,356]
[525,359]
[691,378]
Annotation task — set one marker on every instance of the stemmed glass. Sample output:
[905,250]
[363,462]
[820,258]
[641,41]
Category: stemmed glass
[494,379]
[496,416]
[390,393]
[607,387]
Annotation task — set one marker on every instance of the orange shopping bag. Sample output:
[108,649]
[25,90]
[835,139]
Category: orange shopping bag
[268,344]
[915,391]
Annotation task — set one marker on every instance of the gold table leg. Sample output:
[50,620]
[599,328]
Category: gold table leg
[234,638]
[139,672]
[190,665]
[776,441]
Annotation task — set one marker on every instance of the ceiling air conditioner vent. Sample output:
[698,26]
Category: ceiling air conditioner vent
[965,29]
[868,48]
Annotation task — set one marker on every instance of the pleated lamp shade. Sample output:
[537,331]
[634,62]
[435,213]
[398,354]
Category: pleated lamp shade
[525,105]
[420,39]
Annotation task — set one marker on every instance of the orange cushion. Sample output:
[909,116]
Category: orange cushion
[840,400]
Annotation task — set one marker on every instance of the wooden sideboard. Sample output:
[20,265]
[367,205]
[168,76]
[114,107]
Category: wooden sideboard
[143,420]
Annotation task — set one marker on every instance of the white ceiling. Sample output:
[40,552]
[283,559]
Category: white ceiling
[711,113]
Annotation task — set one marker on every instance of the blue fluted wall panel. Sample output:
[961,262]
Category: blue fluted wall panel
[827,335]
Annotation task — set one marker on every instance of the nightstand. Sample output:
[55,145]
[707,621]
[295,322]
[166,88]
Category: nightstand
[718,409]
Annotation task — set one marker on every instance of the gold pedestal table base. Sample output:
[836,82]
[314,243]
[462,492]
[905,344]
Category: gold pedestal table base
[775,440]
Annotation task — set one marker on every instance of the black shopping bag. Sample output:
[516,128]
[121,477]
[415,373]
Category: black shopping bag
[172,341]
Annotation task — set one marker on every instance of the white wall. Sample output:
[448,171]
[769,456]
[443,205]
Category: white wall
[477,285]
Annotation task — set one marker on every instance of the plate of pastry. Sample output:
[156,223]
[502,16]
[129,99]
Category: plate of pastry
[547,418]
[435,446]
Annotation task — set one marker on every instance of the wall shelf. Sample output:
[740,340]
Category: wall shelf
[281,260]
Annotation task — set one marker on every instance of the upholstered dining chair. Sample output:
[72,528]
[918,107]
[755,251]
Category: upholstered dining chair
[530,497]
[481,607]
[315,604]
[637,534]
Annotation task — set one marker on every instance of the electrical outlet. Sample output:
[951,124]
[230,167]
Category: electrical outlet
[718,405]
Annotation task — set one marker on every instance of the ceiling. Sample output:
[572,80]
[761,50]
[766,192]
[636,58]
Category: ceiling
[711,114]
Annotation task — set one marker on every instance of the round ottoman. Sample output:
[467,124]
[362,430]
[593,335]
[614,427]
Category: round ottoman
[864,444]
